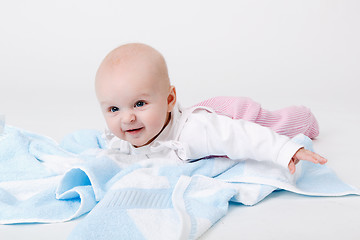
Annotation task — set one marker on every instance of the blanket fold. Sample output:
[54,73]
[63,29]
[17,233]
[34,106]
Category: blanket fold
[42,181]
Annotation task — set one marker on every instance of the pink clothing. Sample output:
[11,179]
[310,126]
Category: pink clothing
[288,121]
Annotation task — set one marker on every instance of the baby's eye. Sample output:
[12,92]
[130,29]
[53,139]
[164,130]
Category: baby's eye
[114,109]
[139,104]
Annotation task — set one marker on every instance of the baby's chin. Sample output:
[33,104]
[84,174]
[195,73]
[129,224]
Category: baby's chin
[143,143]
[138,144]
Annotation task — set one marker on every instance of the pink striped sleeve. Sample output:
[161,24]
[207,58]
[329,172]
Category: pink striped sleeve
[288,121]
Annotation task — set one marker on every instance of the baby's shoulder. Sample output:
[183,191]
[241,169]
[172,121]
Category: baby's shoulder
[194,120]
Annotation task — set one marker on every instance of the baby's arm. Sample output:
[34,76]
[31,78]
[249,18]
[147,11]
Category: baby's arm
[303,154]
[212,134]
[288,121]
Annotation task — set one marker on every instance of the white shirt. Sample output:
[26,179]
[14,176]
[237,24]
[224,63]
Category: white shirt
[198,132]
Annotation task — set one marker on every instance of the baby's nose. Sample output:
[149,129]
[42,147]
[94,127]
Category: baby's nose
[128,117]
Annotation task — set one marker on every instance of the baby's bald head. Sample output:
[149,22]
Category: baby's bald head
[135,58]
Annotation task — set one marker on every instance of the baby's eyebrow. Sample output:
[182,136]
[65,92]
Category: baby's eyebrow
[106,105]
[144,95]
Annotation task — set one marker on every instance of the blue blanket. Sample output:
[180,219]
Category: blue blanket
[43,181]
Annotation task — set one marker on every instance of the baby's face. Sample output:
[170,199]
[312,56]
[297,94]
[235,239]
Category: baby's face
[135,104]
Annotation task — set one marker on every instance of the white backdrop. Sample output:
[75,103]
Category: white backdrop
[278,52]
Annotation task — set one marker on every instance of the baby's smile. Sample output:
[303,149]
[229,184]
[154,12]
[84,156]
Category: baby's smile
[134,131]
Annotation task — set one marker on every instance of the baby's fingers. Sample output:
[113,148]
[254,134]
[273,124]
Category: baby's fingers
[321,160]
[307,155]
[292,167]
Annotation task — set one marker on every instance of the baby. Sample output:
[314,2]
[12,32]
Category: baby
[144,120]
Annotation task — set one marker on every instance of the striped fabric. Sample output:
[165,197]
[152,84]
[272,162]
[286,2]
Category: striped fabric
[288,121]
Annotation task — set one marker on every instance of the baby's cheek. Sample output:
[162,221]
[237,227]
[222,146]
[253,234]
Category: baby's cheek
[113,127]
[156,121]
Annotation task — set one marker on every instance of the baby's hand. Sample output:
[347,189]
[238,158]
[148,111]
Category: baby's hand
[303,154]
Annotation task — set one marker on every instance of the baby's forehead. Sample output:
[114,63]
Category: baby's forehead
[135,65]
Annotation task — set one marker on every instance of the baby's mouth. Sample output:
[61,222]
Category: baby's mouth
[134,130]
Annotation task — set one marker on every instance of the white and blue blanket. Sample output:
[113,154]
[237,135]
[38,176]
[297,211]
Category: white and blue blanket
[42,181]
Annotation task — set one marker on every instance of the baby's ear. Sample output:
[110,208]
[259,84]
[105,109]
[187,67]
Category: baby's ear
[171,98]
